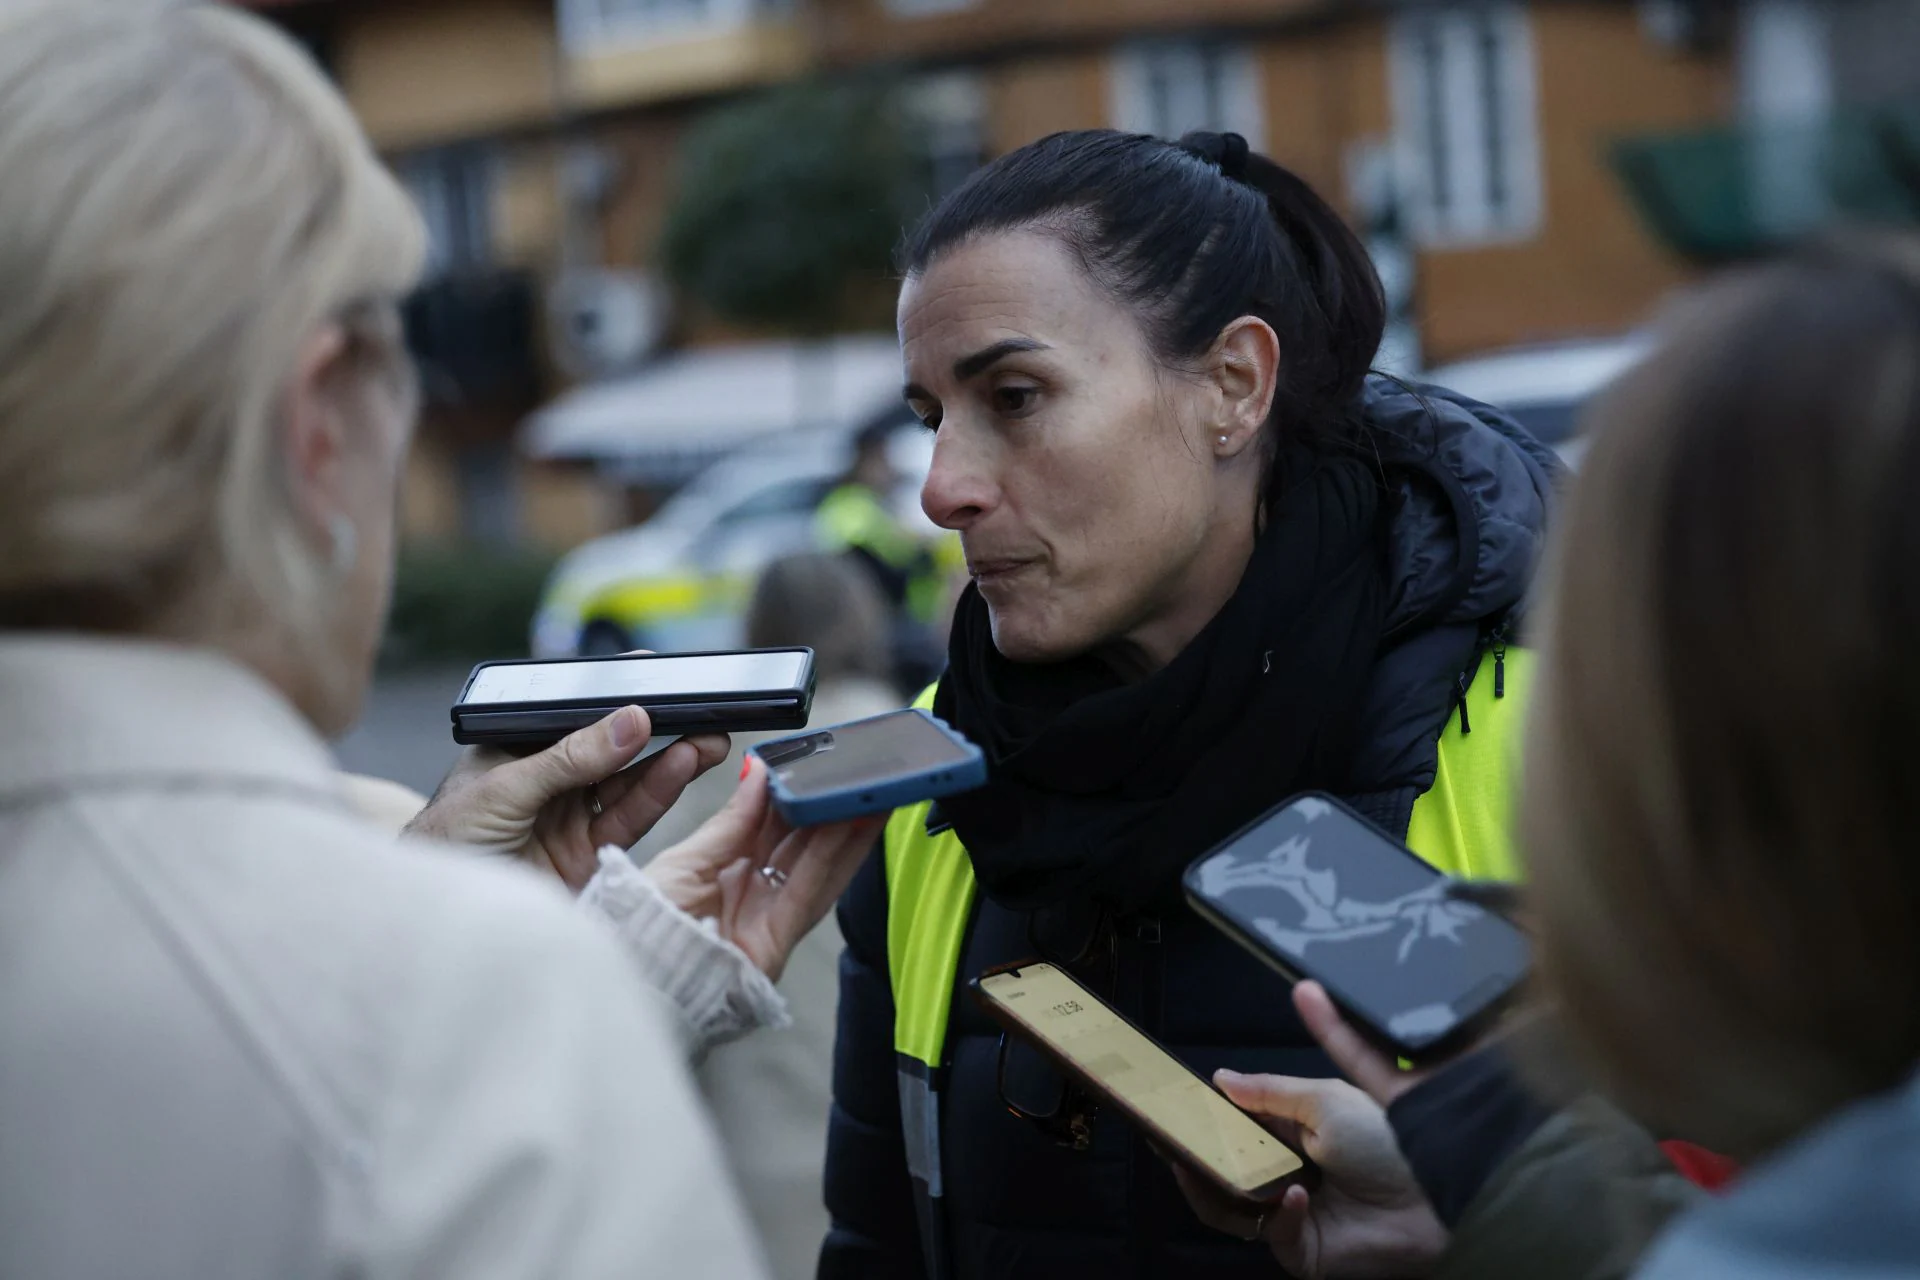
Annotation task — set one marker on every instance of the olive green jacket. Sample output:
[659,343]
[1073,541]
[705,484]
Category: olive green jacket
[1582,1199]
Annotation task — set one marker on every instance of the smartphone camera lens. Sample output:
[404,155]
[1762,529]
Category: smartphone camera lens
[777,754]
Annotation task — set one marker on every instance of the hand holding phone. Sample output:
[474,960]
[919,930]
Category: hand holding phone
[762,884]
[868,767]
[1180,1112]
[1365,1213]
[558,808]
[1317,892]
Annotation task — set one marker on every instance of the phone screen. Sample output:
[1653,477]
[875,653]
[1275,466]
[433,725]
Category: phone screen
[638,678]
[866,751]
[1340,902]
[1159,1087]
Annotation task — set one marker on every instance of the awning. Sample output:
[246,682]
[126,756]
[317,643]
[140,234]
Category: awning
[685,410]
[1719,195]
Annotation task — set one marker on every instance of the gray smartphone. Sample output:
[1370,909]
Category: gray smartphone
[1318,892]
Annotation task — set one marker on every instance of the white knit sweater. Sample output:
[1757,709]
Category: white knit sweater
[720,993]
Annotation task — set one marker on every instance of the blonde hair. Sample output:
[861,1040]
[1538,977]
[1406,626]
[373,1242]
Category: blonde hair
[1718,816]
[185,203]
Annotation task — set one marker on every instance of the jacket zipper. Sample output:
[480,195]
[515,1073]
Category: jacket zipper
[1496,644]
[1499,645]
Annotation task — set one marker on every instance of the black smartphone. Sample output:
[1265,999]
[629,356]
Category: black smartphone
[537,702]
[1318,892]
[1125,1067]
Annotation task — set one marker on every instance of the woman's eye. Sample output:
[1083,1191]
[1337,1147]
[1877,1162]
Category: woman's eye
[928,417]
[1014,400]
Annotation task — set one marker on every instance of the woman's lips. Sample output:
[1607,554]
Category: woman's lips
[992,573]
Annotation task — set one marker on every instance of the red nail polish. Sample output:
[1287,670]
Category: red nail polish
[746,767]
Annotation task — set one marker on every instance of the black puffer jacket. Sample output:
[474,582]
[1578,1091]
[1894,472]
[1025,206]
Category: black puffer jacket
[1468,518]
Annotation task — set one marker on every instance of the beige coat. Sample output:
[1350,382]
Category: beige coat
[242,1033]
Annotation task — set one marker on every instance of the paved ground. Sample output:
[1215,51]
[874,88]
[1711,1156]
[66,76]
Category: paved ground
[405,734]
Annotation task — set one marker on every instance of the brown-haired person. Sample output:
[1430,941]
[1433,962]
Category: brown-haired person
[770,1094]
[1215,563]
[1717,820]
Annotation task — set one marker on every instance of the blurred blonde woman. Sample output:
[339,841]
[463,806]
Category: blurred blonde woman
[247,1033]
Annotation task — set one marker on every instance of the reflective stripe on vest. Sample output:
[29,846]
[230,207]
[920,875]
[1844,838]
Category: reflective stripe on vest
[929,902]
[1461,825]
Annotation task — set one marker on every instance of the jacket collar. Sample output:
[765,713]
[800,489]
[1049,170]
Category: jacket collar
[85,711]
[1472,496]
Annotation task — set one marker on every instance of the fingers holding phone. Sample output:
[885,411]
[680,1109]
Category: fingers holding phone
[772,903]
[1362,1213]
[1229,1215]
[1375,1073]
[762,883]
[558,807]
[629,804]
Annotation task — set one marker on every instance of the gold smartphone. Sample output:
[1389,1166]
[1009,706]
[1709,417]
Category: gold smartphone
[1161,1094]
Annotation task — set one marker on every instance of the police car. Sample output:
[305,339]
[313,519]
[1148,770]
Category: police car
[682,580]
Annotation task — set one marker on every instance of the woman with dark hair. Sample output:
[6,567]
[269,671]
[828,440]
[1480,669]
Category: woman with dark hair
[1214,563]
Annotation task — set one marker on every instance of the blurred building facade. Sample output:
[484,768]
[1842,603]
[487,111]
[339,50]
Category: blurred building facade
[1825,131]
[1478,144]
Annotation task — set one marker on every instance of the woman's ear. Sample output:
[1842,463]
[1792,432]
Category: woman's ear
[314,441]
[1245,371]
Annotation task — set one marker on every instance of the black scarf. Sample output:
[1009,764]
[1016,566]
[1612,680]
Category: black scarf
[1108,789]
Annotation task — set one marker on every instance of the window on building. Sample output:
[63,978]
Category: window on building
[1167,88]
[951,112]
[454,189]
[594,24]
[1465,119]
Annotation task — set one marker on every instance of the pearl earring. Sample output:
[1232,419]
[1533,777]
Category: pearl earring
[1223,441]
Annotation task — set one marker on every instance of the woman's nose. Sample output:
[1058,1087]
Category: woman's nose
[959,489]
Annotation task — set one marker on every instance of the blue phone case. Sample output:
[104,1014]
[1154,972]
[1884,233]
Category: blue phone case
[882,793]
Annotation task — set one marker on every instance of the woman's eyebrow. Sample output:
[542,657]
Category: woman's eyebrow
[980,361]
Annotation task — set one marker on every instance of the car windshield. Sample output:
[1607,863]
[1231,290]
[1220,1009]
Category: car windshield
[779,499]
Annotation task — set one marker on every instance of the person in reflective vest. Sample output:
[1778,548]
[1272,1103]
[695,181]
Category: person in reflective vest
[915,574]
[857,518]
[1215,563]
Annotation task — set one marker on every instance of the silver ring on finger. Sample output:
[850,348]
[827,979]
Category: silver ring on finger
[773,875]
[593,802]
[1259,1227]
